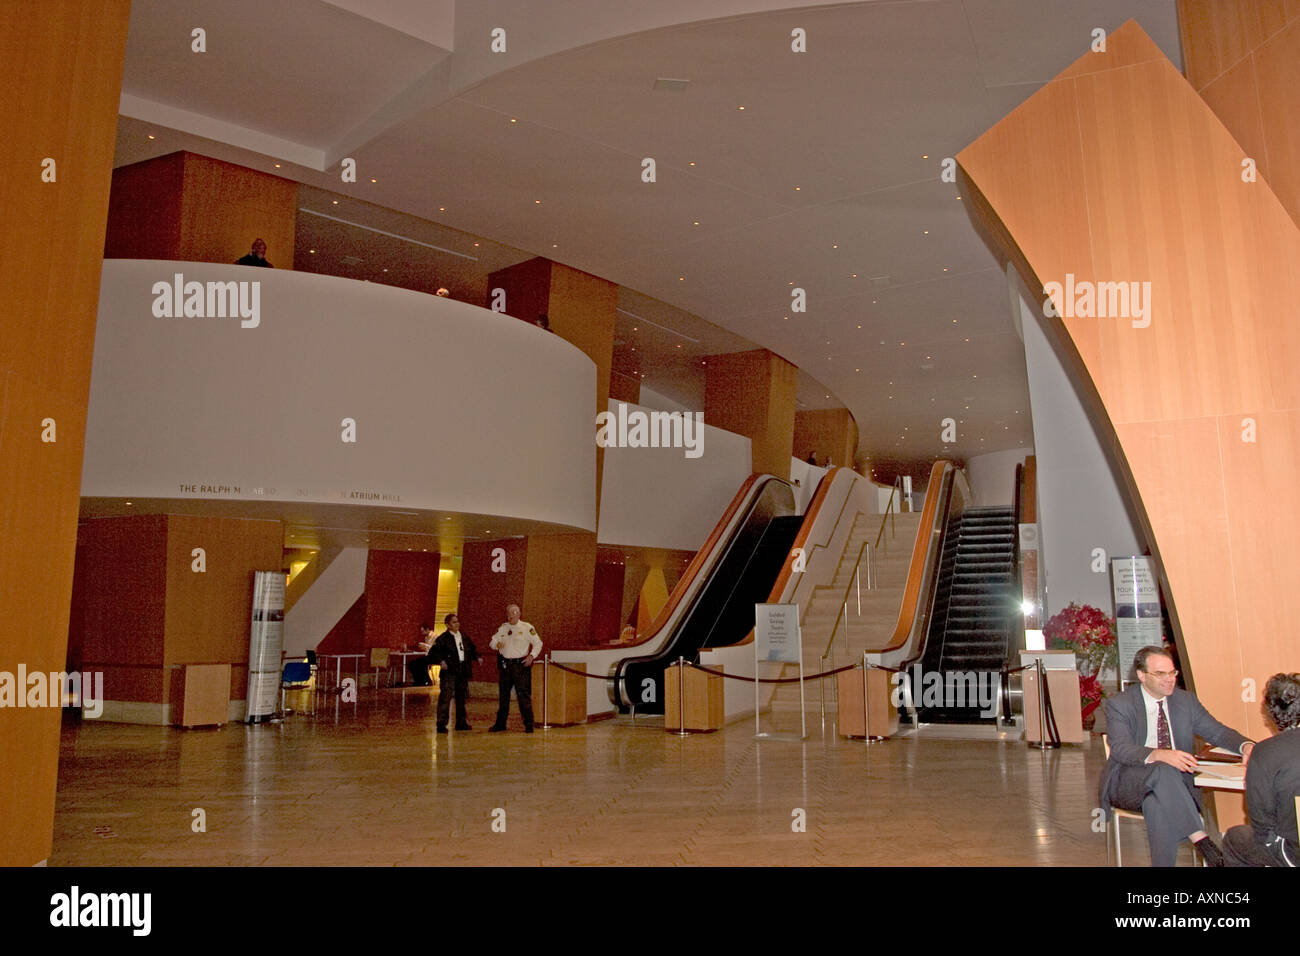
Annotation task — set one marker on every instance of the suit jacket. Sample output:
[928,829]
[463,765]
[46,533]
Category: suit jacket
[1126,730]
[444,653]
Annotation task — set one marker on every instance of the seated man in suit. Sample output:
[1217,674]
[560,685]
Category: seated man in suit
[419,666]
[456,653]
[1272,785]
[1152,728]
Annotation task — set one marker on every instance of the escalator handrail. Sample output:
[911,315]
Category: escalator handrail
[697,564]
[801,540]
[923,573]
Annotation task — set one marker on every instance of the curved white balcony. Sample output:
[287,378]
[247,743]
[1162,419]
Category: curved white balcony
[456,408]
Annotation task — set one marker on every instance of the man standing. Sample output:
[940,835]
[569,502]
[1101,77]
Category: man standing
[455,652]
[1151,729]
[255,258]
[517,644]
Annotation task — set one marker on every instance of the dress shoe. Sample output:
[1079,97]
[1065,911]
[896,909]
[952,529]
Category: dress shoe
[1210,851]
[495,729]
[442,730]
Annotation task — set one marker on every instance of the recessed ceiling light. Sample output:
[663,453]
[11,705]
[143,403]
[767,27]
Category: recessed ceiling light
[697,222]
[740,107]
[925,155]
[442,209]
[151,135]
[476,245]
[537,202]
[385,270]
[859,326]
[313,250]
[692,164]
[374,180]
[336,202]
[797,188]
[513,120]
[926,232]
[681,278]
[555,245]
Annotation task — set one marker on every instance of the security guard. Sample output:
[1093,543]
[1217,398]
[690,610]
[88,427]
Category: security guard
[517,645]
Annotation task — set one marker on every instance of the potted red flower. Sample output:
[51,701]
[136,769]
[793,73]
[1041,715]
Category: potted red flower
[1091,635]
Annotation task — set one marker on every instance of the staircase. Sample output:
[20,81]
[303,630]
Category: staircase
[974,606]
[867,630]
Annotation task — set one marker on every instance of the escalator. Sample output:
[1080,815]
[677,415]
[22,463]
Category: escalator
[974,609]
[721,612]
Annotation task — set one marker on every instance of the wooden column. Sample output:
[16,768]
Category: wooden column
[1117,171]
[191,208]
[830,432]
[147,611]
[753,394]
[61,84]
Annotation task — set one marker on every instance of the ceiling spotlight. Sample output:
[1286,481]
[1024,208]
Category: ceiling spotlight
[513,120]
[374,180]
[336,202]
[151,135]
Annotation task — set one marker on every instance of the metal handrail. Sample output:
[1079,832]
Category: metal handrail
[889,511]
[854,579]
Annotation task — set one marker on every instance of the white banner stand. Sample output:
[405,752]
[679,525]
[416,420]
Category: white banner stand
[777,638]
[1137,610]
[265,645]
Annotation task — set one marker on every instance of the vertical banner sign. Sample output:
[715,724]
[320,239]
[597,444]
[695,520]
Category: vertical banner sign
[777,638]
[1137,610]
[265,645]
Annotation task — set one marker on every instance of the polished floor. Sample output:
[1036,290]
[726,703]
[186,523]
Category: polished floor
[373,784]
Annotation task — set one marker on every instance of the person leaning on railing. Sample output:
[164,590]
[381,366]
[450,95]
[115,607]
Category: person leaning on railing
[1272,784]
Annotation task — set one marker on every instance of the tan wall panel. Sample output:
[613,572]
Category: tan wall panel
[208,612]
[1244,58]
[1158,179]
[60,86]
[225,207]
[1277,71]
[144,209]
[559,587]
[827,431]
[1259,476]
[753,394]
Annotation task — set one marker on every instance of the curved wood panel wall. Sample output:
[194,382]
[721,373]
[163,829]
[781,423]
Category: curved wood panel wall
[1117,171]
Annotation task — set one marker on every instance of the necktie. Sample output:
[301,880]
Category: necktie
[1163,739]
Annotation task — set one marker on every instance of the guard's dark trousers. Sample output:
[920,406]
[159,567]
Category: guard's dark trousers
[519,676]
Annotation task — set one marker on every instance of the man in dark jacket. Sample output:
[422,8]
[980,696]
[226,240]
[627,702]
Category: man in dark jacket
[1151,729]
[456,653]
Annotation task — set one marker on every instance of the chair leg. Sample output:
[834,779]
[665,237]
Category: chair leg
[1119,850]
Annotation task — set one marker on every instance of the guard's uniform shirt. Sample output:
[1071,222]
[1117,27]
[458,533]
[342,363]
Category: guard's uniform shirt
[514,641]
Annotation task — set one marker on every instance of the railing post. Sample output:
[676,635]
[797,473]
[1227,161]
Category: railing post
[681,696]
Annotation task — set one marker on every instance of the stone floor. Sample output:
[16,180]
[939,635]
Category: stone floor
[373,784]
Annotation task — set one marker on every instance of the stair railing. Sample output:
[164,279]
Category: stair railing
[897,487]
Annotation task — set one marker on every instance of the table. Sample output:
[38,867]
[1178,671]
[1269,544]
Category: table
[1211,782]
[404,655]
[322,668]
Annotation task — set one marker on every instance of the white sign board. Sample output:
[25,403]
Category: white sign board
[1137,609]
[776,633]
[265,645]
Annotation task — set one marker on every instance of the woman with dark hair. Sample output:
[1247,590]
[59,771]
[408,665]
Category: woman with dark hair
[1272,784]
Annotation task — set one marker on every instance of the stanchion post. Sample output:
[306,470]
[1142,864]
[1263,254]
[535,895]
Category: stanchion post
[866,729]
[1043,742]
[681,697]
[546,697]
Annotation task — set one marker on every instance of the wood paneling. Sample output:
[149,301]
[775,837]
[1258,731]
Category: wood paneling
[484,594]
[830,432]
[401,593]
[195,209]
[121,582]
[753,394]
[208,612]
[144,209]
[1127,175]
[61,85]
[1244,58]
[559,583]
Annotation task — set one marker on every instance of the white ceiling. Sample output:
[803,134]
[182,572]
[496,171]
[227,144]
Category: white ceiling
[859,124]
